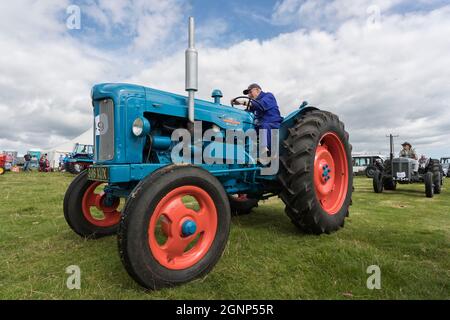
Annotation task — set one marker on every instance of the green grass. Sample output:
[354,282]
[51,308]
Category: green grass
[403,232]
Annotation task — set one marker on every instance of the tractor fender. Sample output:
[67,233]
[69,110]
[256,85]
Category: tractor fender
[289,121]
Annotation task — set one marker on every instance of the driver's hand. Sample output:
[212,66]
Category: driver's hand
[235,102]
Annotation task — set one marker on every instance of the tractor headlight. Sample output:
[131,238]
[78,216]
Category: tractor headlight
[141,127]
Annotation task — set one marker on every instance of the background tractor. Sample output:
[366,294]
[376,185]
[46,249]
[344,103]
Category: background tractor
[404,170]
[80,159]
[175,222]
[35,156]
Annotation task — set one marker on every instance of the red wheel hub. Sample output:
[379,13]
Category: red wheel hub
[182,250]
[331,173]
[91,199]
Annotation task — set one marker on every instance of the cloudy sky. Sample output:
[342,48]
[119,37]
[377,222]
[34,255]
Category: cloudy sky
[382,65]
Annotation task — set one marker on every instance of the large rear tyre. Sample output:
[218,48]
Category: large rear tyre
[163,241]
[429,188]
[316,173]
[241,204]
[378,182]
[87,211]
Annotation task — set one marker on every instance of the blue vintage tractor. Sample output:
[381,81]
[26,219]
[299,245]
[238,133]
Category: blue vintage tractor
[175,222]
[79,159]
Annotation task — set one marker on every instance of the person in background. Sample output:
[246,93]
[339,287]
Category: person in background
[61,162]
[26,166]
[422,161]
[43,163]
[409,152]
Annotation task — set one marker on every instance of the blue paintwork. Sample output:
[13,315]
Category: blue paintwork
[133,101]
[76,160]
[161,142]
[216,94]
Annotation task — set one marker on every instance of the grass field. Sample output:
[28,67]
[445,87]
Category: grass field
[404,233]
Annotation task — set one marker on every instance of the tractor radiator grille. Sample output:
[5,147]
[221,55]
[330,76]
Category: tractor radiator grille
[104,131]
[402,165]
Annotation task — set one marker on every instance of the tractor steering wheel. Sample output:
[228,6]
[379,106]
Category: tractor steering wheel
[250,100]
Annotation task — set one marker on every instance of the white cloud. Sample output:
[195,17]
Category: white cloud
[390,79]
[47,73]
[210,31]
[144,26]
[327,13]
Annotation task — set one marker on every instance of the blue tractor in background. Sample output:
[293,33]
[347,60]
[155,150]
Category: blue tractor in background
[173,218]
[80,159]
[35,156]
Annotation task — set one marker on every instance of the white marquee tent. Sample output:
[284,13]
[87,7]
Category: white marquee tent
[53,154]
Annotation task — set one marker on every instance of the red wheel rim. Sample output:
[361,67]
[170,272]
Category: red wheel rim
[331,173]
[172,254]
[111,216]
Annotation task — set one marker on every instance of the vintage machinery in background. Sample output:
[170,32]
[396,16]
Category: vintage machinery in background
[366,163]
[445,163]
[405,170]
[79,159]
[2,164]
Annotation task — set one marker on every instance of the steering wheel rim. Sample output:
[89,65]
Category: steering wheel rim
[245,97]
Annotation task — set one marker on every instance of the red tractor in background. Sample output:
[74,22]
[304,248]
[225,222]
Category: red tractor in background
[2,163]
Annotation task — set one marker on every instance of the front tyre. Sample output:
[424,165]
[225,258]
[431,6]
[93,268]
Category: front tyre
[87,210]
[436,169]
[316,173]
[429,188]
[437,180]
[389,183]
[174,227]
[378,182]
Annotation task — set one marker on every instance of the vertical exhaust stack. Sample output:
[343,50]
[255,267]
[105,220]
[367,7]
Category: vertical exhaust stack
[191,71]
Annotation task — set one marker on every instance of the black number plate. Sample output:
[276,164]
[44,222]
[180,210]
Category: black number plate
[98,173]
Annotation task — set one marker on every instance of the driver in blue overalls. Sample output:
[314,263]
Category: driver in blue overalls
[266,111]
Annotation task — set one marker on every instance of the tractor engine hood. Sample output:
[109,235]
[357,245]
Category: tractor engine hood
[170,104]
